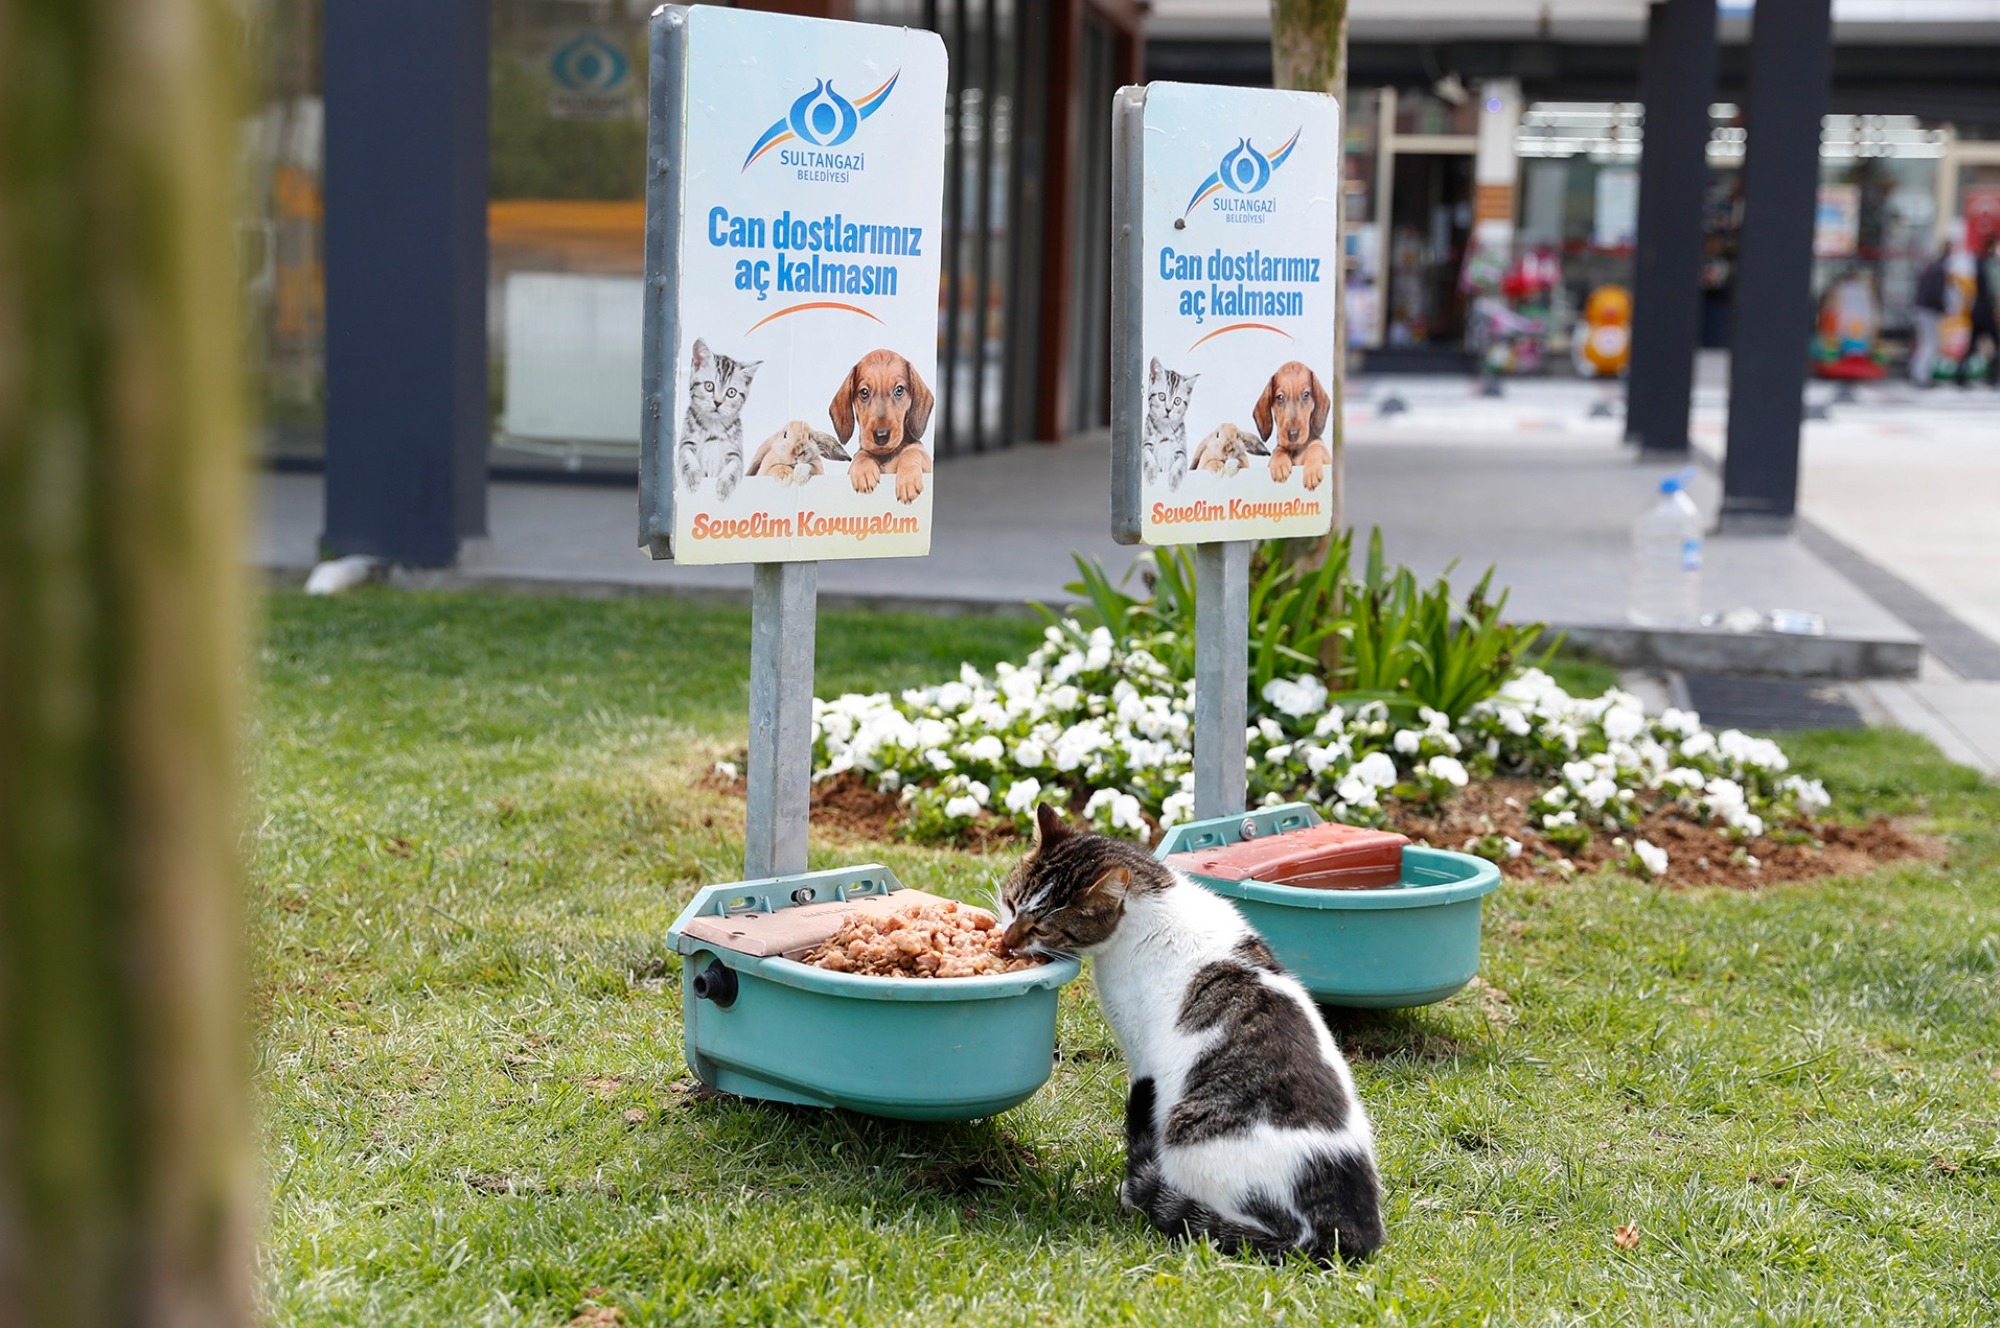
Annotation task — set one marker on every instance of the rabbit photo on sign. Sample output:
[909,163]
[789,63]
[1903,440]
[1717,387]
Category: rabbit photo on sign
[1227,450]
[711,441]
[796,453]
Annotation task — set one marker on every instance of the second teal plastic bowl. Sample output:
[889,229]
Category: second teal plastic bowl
[1408,944]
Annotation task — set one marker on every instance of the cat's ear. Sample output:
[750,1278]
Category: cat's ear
[748,371]
[1049,825]
[1116,882]
[1261,412]
[701,353]
[1187,383]
[1153,370]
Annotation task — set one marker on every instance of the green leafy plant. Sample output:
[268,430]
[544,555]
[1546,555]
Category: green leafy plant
[1379,637]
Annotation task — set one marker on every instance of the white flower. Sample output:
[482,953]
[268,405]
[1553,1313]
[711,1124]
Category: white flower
[1278,754]
[961,808]
[1298,697]
[1177,808]
[1408,741]
[1682,723]
[931,733]
[1511,845]
[1599,791]
[1270,729]
[1699,743]
[1030,752]
[979,792]
[1449,769]
[1809,795]
[891,780]
[1685,776]
[1579,773]
[1126,813]
[1377,770]
[1021,795]
[987,748]
[1330,723]
[953,696]
[1652,857]
[1623,722]
[938,760]
[1558,820]
[727,769]
[1356,791]
[1065,697]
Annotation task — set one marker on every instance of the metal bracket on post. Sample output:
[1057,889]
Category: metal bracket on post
[779,768]
[1222,676]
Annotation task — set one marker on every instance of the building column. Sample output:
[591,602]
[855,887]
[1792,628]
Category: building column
[1676,84]
[1791,59]
[407,426]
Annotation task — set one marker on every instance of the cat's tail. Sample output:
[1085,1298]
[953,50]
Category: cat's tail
[1341,1197]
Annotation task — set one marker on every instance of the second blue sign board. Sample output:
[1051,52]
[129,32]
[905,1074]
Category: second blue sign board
[1226,222]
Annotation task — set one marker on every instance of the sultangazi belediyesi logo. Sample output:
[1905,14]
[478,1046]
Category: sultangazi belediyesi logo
[821,121]
[1232,188]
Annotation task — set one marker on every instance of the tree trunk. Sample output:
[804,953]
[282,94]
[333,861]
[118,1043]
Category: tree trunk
[126,1166]
[1309,54]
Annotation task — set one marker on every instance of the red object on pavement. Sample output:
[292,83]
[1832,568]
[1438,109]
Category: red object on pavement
[1320,857]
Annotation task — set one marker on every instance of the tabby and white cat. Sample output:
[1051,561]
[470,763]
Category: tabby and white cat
[711,441]
[1164,448]
[1243,1125]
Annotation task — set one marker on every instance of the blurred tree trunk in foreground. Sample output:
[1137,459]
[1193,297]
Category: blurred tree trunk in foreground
[127,1166]
[1309,54]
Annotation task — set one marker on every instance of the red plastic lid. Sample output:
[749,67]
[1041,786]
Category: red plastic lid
[1329,856]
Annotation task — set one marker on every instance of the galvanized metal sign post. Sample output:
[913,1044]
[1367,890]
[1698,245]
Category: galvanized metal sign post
[794,184]
[1225,239]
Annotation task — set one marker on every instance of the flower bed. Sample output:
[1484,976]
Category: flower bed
[1531,777]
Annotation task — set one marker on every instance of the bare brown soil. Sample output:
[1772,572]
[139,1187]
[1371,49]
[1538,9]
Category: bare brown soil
[1697,854]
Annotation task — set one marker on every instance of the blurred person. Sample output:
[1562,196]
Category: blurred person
[1984,327]
[1929,312]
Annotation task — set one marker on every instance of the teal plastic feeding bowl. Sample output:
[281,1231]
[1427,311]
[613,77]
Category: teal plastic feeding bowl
[911,1048]
[1411,943]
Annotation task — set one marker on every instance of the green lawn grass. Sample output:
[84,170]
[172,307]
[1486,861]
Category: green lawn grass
[475,817]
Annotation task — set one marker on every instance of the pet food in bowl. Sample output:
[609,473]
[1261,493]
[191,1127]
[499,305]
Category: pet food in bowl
[929,940]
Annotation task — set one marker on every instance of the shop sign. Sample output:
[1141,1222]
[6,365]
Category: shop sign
[1226,236]
[793,230]
[1981,204]
[1615,224]
[1837,223]
[590,78]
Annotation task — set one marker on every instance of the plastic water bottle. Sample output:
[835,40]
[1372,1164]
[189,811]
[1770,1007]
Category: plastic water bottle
[1666,559]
